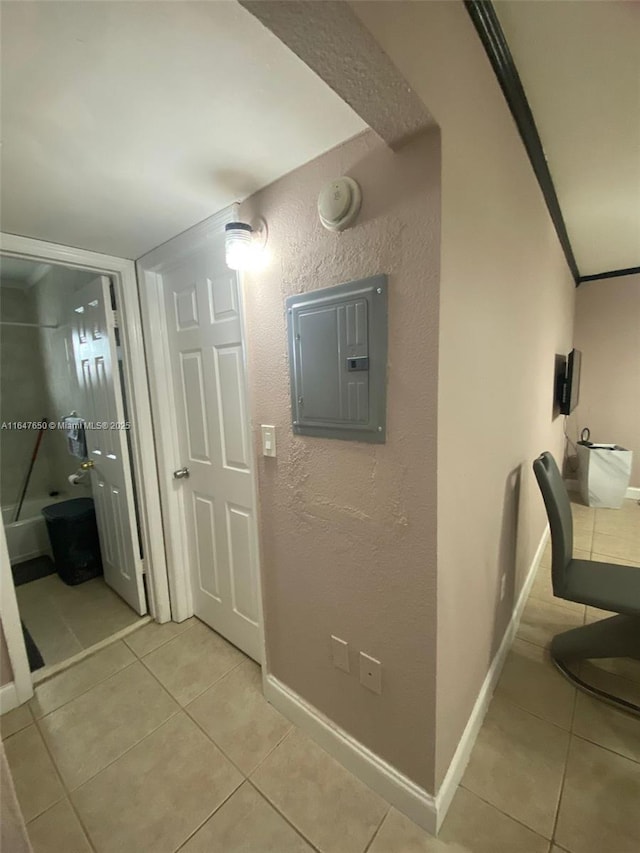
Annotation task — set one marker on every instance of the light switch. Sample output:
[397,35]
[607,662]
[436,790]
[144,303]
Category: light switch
[268,440]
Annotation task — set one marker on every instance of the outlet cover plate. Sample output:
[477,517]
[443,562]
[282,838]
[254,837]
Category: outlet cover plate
[268,439]
[340,653]
[370,673]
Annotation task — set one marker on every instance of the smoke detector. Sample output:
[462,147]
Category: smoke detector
[339,204]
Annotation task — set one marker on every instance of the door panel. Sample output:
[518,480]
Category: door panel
[193,399]
[96,359]
[244,586]
[206,352]
[205,532]
[231,411]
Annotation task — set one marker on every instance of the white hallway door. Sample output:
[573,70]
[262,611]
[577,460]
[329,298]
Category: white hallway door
[96,360]
[200,299]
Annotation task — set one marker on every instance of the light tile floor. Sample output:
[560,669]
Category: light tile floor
[64,620]
[163,742]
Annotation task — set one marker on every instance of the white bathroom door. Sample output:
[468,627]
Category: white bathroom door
[96,359]
[202,313]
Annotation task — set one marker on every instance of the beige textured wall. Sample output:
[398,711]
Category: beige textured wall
[348,530]
[607,331]
[6,673]
[506,309]
[22,398]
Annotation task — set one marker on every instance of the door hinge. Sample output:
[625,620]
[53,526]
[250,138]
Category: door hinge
[116,319]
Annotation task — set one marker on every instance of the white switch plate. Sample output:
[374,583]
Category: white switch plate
[370,673]
[340,653]
[268,439]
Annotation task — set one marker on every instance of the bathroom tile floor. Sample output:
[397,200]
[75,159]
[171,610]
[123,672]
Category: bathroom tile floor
[163,742]
[64,620]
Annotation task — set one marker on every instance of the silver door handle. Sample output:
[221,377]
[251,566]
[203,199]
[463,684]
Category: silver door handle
[181,474]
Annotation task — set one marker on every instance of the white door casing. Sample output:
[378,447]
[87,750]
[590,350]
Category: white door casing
[95,354]
[196,300]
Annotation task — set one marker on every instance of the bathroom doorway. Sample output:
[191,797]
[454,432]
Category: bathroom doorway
[67,486]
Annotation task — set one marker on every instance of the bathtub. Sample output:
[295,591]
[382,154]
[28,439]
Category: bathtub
[28,537]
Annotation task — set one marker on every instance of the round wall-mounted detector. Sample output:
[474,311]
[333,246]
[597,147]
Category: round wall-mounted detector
[339,204]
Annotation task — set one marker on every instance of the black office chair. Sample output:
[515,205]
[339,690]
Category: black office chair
[604,585]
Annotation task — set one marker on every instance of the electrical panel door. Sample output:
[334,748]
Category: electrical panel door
[338,360]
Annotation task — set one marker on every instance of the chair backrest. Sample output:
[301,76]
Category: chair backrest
[556,501]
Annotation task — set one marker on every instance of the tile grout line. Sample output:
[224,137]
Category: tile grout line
[65,789]
[68,791]
[274,805]
[570,732]
[179,708]
[533,713]
[85,654]
[506,814]
[566,759]
[564,771]
[163,642]
[223,751]
[290,731]
[130,747]
[605,748]
[210,815]
[557,603]
[122,754]
[52,601]
[245,777]
[64,621]
[208,687]
[217,745]
[55,767]
[377,831]
[287,820]
[84,692]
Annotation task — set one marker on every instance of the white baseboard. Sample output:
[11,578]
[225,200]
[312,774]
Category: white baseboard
[408,797]
[374,771]
[8,697]
[466,743]
[632,494]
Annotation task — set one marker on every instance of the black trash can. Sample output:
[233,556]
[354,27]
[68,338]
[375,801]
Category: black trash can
[73,534]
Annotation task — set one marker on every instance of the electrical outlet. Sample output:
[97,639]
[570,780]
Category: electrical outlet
[340,653]
[370,673]
[503,586]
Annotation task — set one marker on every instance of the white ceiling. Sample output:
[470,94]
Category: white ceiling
[126,123]
[580,68]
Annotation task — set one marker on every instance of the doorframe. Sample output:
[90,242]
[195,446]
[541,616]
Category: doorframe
[145,470]
[164,407]
[19,690]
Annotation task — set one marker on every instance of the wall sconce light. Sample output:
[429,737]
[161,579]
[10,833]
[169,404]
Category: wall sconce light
[243,243]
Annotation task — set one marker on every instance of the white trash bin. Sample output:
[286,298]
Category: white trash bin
[603,474]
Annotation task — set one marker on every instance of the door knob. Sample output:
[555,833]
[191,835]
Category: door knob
[181,474]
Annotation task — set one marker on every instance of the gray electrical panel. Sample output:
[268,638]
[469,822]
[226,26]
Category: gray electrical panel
[338,360]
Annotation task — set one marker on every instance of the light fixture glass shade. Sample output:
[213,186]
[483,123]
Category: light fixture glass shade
[237,244]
